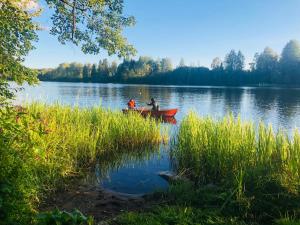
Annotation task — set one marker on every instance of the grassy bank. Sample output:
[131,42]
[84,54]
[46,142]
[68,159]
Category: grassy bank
[44,146]
[232,152]
[76,138]
[239,174]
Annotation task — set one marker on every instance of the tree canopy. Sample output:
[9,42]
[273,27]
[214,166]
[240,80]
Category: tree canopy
[91,24]
[234,61]
[267,61]
[290,56]
[266,69]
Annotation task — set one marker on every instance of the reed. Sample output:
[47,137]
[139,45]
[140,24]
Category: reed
[76,138]
[44,146]
[232,152]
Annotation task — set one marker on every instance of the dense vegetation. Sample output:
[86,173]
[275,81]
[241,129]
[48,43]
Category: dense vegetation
[30,164]
[238,174]
[267,68]
[43,147]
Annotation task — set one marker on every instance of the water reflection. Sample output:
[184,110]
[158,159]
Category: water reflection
[278,106]
[135,172]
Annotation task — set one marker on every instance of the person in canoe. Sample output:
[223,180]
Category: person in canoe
[131,104]
[155,106]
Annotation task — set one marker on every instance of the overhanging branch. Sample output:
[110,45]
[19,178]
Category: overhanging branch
[69,4]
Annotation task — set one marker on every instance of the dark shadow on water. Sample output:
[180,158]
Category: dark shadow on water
[134,173]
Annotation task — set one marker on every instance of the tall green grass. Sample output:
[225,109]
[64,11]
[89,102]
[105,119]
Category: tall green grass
[76,138]
[258,168]
[228,150]
[43,146]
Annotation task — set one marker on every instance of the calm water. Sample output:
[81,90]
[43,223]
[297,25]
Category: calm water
[277,106]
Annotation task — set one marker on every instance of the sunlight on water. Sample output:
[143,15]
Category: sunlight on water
[277,106]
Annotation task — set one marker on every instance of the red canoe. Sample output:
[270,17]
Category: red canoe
[159,113]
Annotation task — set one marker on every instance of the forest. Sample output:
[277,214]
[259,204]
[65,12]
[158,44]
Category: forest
[266,68]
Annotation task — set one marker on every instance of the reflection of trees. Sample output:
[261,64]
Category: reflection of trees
[191,97]
[279,106]
[284,101]
[233,99]
[264,99]
[93,93]
[229,98]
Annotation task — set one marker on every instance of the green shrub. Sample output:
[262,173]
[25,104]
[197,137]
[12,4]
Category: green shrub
[18,159]
[63,218]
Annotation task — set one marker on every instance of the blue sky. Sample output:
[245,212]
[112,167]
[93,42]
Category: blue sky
[196,30]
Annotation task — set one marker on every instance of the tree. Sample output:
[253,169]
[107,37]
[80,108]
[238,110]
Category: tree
[181,63]
[240,64]
[156,66]
[143,66]
[123,71]
[290,57]
[230,61]
[234,61]
[216,64]
[254,62]
[166,65]
[16,36]
[74,71]
[85,73]
[113,68]
[267,61]
[103,69]
[94,73]
[92,24]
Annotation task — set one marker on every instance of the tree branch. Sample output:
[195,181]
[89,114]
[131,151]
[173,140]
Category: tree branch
[69,4]
[74,19]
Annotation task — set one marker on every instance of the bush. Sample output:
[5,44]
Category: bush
[19,185]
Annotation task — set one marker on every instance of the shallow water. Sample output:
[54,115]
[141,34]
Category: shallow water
[277,106]
[138,177]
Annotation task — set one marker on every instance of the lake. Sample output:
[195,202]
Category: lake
[279,107]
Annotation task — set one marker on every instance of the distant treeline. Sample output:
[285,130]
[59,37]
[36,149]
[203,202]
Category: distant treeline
[267,68]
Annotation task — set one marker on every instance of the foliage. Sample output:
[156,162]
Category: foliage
[63,218]
[90,135]
[176,215]
[187,203]
[217,64]
[290,55]
[92,24]
[267,68]
[106,72]
[16,34]
[290,62]
[288,221]
[234,61]
[259,169]
[19,151]
[267,61]
[42,147]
